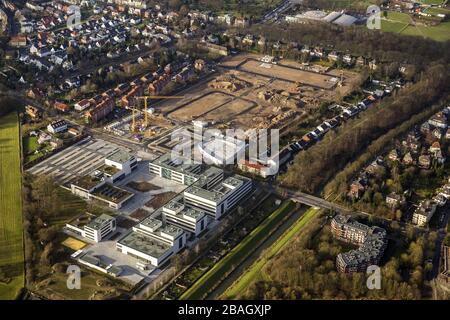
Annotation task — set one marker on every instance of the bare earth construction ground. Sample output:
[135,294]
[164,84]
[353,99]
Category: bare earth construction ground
[242,106]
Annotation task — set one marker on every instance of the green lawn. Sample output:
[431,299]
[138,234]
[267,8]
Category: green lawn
[399,23]
[11,240]
[207,282]
[441,32]
[30,144]
[436,10]
[350,4]
[432,1]
[254,272]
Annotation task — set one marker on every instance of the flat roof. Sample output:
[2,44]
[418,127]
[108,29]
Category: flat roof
[82,220]
[157,225]
[219,190]
[112,193]
[177,205]
[87,182]
[179,164]
[145,244]
[110,170]
[120,156]
[98,222]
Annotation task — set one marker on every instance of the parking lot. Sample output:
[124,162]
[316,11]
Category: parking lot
[77,160]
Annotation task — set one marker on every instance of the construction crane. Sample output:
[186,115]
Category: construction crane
[146,98]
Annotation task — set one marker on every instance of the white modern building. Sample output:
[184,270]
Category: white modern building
[122,161]
[92,227]
[217,199]
[175,169]
[152,242]
[208,191]
[191,220]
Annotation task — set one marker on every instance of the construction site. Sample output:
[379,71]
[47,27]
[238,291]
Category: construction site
[249,93]
[245,92]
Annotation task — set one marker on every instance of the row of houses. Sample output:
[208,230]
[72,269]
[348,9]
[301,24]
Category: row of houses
[346,113]
[127,93]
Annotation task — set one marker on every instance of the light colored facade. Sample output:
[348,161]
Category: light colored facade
[424,212]
[189,219]
[371,240]
[152,242]
[122,161]
[208,191]
[57,126]
[91,227]
[175,169]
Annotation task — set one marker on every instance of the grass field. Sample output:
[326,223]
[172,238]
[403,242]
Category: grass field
[350,4]
[398,22]
[255,271]
[11,240]
[225,265]
[436,10]
[432,1]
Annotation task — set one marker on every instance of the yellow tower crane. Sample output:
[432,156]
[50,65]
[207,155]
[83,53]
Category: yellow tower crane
[146,98]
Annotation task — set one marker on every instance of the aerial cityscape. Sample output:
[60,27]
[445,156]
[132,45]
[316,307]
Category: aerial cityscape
[226,150]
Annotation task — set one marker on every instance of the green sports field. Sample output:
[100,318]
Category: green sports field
[255,271]
[11,240]
[399,22]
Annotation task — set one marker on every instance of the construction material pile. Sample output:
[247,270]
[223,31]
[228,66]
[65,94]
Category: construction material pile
[229,83]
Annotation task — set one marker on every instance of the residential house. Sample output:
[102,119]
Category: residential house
[424,212]
[348,59]
[61,106]
[57,126]
[82,105]
[393,155]
[394,200]
[33,112]
[439,120]
[408,159]
[358,187]
[447,134]
[105,107]
[425,161]
[437,133]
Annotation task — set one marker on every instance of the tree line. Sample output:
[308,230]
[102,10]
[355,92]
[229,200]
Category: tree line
[321,162]
[306,269]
